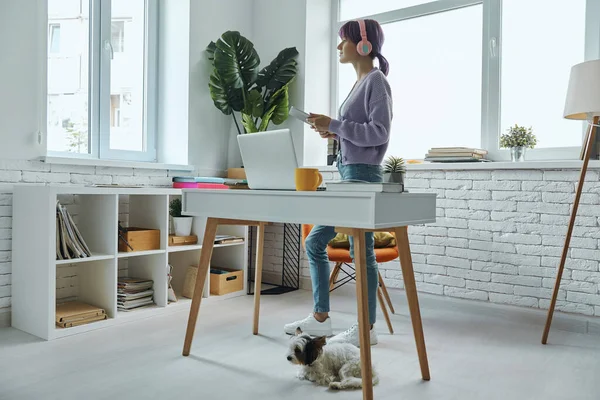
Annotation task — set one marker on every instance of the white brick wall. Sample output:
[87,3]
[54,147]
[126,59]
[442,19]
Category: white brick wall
[499,237]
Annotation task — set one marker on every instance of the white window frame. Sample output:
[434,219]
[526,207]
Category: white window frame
[100,55]
[491,65]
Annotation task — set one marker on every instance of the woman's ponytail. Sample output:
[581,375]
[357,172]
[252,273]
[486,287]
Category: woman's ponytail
[384,66]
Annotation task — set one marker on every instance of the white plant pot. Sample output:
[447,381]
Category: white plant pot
[182,225]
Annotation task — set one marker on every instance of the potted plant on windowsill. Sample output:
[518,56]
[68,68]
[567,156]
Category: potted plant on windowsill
[181,223]
[518,139]
[394,170]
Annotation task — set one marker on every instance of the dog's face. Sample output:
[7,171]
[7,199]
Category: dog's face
[305,350]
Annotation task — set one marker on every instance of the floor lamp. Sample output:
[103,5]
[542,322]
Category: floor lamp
[582,103]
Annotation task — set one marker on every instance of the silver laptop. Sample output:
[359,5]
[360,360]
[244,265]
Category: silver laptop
[269,159]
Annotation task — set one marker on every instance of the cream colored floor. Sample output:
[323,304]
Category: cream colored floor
[475,352]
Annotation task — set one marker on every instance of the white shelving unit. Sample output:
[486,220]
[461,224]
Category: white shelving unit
[34,279]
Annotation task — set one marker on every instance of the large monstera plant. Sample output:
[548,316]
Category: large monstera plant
[237,85]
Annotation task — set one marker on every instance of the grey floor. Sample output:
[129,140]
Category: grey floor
[475,352]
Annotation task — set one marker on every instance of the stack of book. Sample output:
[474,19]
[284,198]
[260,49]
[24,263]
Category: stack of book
[200,182]
[134,293]
[69,242]
[75,313]
[455,154]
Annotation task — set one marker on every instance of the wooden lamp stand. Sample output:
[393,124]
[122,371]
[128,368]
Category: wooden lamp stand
[582,103]
[586,150]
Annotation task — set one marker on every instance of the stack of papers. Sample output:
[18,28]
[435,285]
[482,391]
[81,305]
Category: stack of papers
[134,293]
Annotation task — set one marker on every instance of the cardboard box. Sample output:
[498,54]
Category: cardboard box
[236,173]
[227,282]
[140,239]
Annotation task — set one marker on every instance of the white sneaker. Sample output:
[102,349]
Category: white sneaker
[351,336]
[310,326]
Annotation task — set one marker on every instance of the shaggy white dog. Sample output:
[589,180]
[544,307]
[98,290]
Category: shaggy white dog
[336,365]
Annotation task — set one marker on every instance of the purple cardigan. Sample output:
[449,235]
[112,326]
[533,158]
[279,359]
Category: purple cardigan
[363,127]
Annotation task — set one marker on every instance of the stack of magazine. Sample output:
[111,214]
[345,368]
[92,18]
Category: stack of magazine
[69,242]
[134,293]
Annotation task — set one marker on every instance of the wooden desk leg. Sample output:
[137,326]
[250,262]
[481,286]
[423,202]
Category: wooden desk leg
[410,287]
[360,261]
[258,276]
[203,265]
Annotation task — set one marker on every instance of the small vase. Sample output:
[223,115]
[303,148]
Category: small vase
[517,154]
[394,177]
[182,225]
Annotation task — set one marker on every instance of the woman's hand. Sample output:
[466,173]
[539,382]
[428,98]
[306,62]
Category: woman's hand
[319,122]
[327,135]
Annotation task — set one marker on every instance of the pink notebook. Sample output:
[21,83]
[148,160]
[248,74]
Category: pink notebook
[198,185]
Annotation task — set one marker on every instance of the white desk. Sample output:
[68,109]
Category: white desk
[353,213]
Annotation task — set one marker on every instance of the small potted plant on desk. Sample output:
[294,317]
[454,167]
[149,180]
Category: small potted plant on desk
[394,170]
[518,139]
[182,224]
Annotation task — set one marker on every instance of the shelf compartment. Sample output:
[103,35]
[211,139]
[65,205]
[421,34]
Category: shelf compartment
[153,267]
[93,283]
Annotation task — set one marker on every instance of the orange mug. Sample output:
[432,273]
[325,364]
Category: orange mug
[308,179]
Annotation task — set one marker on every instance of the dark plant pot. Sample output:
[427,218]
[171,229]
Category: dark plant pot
[394,177]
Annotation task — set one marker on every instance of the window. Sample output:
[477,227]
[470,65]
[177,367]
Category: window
[101,89]
[531,63]
[117,36]
[473,68]
[54,34]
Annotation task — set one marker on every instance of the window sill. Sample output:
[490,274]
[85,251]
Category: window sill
[494,165]
[115,163]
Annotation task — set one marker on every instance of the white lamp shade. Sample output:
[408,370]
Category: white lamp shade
[583,94]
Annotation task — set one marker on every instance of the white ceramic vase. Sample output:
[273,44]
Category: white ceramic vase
[182,225]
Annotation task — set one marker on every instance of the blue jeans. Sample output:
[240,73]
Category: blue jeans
[319,237]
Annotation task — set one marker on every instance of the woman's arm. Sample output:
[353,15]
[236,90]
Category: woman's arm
[373,133]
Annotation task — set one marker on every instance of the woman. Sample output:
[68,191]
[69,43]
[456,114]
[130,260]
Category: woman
[363,132]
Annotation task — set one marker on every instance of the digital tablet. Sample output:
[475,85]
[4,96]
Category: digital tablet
[301,115]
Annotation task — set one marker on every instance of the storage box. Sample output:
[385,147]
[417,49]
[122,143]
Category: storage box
[236,173]
[182,240]
[227,281]
[140,239]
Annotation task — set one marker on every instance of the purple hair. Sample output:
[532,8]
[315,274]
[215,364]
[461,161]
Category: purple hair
[351,31]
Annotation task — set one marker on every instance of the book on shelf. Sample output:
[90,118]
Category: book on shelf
[227,239]
[134,293]
[354,185]
[75,313]
[69,241]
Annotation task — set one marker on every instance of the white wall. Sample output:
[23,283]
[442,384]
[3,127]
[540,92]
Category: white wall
[285,23]
[174,81]
[210,130]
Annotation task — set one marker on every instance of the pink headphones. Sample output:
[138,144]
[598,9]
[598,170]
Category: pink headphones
[363,47]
